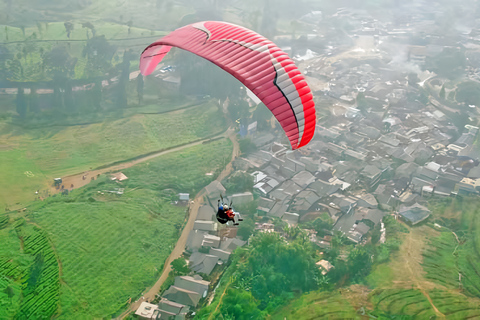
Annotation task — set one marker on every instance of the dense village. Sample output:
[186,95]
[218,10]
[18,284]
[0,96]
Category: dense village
[387,141]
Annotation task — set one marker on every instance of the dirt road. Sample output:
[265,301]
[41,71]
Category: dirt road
[81,179]
[408,265]
[180,246]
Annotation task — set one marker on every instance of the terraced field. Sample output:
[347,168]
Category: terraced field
[439,260]
[402,302]
[110,247]
[455,305]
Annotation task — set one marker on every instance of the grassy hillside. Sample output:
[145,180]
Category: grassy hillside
[32,157]
[109,247]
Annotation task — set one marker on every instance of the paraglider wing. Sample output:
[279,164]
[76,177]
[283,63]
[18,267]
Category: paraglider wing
[254,60]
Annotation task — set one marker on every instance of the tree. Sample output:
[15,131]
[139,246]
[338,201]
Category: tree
[320,226]
[239,182]
[413,79]
[179,267]
[262,115]
[123,80]
[99,55]
[68,28]
[33,99]
[21,103]
[247,146]
[450,63]
[90,26]
[442,92]
[60,67]
[359,263]
[240,304]
[246,228]
[468,92]
[140,86]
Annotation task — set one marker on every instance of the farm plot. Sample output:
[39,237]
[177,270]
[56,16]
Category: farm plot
[110,251]
[462,216]
[439,260]
[402,302]
[40,288]
[455,305]
[29,280]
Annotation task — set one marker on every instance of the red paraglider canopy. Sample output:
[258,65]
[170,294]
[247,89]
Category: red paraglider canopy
[254,60]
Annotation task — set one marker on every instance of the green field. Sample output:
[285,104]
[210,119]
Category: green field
[32,157]
[110,247]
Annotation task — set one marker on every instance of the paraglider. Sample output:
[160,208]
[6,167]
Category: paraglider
[226,213]
[256,62]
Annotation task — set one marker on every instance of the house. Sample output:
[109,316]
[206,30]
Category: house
[206,213]
[265,186]
[323,189]
[467,185]
[231,244]
[182,296]
[195,239]
[210,241]
[221,254]
[414,214]
[290,218]
[265,227]
[372,174]
[406,170]
[205,225]
[184,197]
[279,208]
[241,198]
[357,232]
[325,266]
[265,205]
[119,176]
[202,263]
[305,200]
[146,311]
[344,203]
[293,165]
[194,283]
[367,200]
[214,190]
[171,310]
[354,155]
[171,83]
[303,179]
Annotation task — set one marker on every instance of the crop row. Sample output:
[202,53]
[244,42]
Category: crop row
[403,302]
[41,285]
[3,221]
[439,261]
[9,269]
[455,306]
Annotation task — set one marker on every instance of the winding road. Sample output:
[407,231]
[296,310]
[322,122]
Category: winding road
[193,211]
